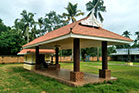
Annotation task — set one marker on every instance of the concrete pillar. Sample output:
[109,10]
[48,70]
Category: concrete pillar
[104,73]
[76,75]
[51,59]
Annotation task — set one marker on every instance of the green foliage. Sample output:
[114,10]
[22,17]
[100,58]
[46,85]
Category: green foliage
[72,12]
[10,42]
[136,41]
[2,27]
[26,29]
[53,21]
[125,34]
[67,52]
[111,49]
[25,25]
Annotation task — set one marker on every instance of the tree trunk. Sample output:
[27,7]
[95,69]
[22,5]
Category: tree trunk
[27,34]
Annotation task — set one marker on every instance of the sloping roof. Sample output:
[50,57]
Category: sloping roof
[41,51]
[79,29]
[132,51]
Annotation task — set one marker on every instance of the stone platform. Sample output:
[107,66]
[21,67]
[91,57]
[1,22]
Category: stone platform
[63,76]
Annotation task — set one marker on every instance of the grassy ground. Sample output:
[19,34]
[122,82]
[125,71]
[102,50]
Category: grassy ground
[14,79]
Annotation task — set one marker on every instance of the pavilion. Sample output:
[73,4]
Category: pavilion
[77,35]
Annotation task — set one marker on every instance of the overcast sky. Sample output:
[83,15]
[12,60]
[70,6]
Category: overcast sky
[121,15]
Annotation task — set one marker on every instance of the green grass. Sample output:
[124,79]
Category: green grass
[14,79]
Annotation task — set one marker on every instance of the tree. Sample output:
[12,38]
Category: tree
[98,6]
[10,42]
[28,27]
[72,12]
[41,29]
[111,49]
[3,27]
[52,21]
[136,42]
[25,24]
[126,34]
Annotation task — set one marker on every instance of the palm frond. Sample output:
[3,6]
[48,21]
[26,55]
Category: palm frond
[78,14]
[100,17]
[73,19]
[89,13]
[65,14]
[67,20]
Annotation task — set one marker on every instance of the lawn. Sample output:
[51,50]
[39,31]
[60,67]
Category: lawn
[14,79]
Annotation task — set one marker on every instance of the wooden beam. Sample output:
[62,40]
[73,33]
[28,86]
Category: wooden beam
[76,54]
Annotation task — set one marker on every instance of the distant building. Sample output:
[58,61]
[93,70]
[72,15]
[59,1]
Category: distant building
[122,55]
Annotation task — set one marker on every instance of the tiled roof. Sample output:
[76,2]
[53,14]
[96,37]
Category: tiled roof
[77,28]
[43,51]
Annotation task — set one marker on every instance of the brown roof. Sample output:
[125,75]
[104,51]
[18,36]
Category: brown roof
[43,51]
[77,28]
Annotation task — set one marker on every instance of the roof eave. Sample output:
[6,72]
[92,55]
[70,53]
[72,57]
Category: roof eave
[100,38]
[72,35]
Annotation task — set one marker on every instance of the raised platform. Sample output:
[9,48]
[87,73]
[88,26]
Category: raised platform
[63,76]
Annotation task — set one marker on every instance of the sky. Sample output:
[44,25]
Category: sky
[121,15]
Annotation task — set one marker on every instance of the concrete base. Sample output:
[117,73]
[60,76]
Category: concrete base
[105,74]
[63,76]
[37,67]
[76,76]
[57,66]
[29,67]
[54,67]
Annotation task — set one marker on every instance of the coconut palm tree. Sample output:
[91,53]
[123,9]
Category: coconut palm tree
[127,34]
[137,38]
[98,6]
[28,20]
[72,12]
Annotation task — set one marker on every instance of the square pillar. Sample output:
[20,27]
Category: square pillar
[104,73]
[76,75]
[37,65]
[51,59]
[57,58]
